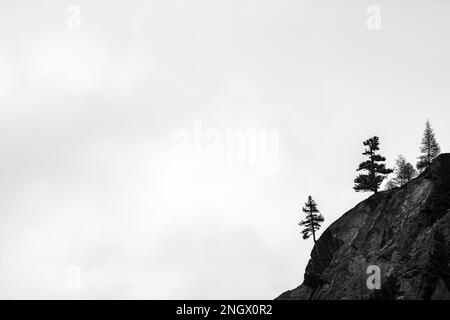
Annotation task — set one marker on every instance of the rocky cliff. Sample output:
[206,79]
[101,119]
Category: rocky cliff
[405,231]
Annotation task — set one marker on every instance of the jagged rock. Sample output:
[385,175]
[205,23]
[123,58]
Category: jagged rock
[391,229]
[441,292]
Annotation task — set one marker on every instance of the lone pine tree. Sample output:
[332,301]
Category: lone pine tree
[376,170]
[430,148]
[313,219]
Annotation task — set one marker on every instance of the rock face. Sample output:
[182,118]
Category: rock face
[405,231]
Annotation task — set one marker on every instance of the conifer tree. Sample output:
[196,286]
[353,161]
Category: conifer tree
[313,219]
[404,172]
[376,169]
[430,148]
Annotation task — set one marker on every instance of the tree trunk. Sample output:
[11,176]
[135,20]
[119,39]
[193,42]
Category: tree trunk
[312,226]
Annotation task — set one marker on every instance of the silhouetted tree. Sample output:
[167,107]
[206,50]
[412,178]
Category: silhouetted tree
[430,148]
[376,170]
[313,219]
[404,172]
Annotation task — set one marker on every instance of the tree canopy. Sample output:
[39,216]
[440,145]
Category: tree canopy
[375,168]
[403,173]
[430,148]
[313,219]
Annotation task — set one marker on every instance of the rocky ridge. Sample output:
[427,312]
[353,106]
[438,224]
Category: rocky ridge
[405,231]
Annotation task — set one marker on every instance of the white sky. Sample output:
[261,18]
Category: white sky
[87,118]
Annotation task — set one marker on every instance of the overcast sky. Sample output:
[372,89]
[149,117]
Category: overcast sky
[98,98]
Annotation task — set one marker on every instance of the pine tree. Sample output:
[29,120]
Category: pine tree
[404,172]
[313,219]
[430,148]
[376,170]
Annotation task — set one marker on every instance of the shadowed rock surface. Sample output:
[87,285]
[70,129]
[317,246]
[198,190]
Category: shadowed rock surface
[396,230]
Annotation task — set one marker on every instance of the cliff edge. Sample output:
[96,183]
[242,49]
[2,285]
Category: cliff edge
[405,231]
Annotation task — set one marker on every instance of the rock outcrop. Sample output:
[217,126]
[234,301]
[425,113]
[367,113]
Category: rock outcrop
[405,231]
